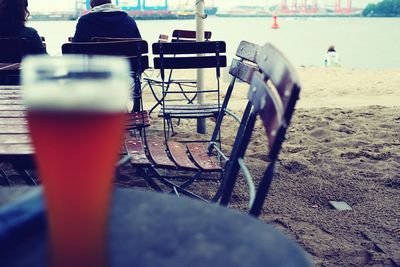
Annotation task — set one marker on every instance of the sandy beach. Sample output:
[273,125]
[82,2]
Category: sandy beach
[343,145]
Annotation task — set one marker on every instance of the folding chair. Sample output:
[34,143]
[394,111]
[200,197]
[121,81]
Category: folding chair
[113,39]
[153,156]
[188,36]
[154,84]
[136,52]
[273,95]
[180,56]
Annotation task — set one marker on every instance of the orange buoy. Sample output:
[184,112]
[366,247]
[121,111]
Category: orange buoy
[275,25]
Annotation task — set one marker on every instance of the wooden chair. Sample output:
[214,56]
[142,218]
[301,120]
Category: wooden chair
[136,52]
[113,39]
[155,83]
[273,94]
[188,36]
[15,145]
[180,56]
[151,155]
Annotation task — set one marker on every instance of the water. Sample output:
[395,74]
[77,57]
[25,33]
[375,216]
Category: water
[368,43]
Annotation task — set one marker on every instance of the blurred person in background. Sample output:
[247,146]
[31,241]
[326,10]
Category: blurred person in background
[13,16]
[105,20]
[332,58]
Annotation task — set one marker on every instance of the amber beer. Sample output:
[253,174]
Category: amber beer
[76,114]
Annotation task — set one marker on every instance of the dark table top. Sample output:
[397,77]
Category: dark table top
[152,229]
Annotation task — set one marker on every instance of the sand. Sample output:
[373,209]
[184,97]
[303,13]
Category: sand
[343,145]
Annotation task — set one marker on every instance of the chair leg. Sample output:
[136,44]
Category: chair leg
[28,177]
[6,178]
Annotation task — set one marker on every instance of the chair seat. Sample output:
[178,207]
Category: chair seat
[135,149]
[137,120]
[202,159]
[180,155]
[190,111]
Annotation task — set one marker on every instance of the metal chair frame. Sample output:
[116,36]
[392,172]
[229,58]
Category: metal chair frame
[242,69]
[177,36]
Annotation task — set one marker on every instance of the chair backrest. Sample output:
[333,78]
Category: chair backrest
[163,38]
[11,50]
[113,39]
[273,94]
[182,56]
[134,50]
[188,36]
[243,67]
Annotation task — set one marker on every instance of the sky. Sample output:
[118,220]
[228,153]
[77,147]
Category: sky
[66,5]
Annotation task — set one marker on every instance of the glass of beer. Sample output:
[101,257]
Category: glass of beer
[76,108]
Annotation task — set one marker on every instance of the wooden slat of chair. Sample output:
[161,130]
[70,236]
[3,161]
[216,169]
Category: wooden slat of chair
[189,113]
[11,102]
[12,114]
[158,154]
[163,38]
[188,35]
[113,39]
[188,48]
[121,48]
[12,107]
[13,121]
[12,92]
[137,120]
[10,97]
[14,129]
[134,148]
[248,51]
[179,154]
[201,158]
[9,87]
[15,149]
[190,62]
[15,139]
[242,70]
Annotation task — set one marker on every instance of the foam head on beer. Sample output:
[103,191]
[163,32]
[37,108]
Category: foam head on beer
[74,82]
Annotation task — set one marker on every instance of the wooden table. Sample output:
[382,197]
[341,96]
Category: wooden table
[152,229]
[15,145]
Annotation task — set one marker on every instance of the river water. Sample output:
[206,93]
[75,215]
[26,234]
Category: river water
[367,43]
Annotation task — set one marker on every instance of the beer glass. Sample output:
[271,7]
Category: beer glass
[76,109]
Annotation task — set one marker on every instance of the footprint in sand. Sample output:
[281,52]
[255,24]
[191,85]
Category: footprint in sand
[293,166]
[320,133]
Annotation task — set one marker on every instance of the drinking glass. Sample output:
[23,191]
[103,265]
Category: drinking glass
[76,109]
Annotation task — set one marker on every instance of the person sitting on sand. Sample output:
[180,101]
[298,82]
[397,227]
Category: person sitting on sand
[332,59]
[105,20]
[13,16]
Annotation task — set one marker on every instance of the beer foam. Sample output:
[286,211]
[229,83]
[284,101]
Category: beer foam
[84,95]
[57,91]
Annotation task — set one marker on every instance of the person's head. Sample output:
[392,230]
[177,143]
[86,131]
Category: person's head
[94,3]
[13,13]
[331,48]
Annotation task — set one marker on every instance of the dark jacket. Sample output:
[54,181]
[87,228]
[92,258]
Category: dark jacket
[105,24]
[32,42]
